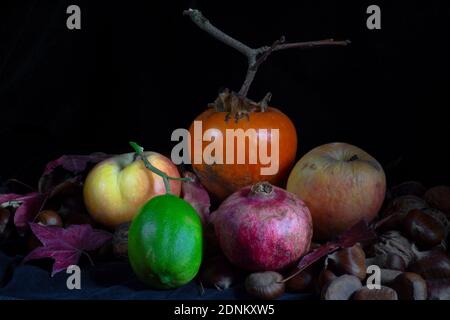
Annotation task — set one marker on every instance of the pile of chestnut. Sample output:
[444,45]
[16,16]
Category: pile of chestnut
[411,252]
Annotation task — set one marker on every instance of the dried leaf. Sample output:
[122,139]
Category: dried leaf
[27,207]
[8,197]
[51,184]
[67,187]
[194,193]
[72,166]
[316,254]
[65,246]
[358,233]
[74,163]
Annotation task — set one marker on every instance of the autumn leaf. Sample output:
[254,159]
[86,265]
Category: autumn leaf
[51,184]
[194,193]
[27,206]
[6,198]
[74,163]
[358,233]
[65,246]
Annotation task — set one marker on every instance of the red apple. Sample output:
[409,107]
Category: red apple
[341,184]
[117,187]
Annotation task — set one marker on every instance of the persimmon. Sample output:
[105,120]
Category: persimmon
[222,179]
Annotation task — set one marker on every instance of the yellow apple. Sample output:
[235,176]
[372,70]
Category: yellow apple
[341,185]
[117,187]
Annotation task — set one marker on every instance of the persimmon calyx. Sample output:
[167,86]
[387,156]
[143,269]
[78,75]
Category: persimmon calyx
[237,106]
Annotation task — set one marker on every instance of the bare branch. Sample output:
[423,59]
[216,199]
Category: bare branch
[267,51]
[312,44]
[199,19]
[256,56]
[251,73]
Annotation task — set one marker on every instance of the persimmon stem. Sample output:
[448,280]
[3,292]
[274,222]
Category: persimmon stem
[254,56]
[140,153]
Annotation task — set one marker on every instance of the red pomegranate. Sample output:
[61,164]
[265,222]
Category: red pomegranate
[263,227]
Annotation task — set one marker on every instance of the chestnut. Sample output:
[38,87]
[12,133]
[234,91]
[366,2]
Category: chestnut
[73,203]
[392,222]
[433,264]
[302,282]
[397,210]
[410,286]
[393,242]
[325,277]
[265,285]
[438,289]
[388,276]
[341,288]
[394,262]
[348,261]
[384,293]
[49,218]
[217,272]
[439,216]
[439,198]
[404,204]
[423,229]
[387,261]
[413,188]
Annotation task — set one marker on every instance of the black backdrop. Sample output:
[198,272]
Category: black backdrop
[138,69]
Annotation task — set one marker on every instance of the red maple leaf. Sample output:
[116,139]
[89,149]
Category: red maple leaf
[28,205]
[65,246]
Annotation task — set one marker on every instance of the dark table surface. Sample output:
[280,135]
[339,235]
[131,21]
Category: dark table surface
[105,280]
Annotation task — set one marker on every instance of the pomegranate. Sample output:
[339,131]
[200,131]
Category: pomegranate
[263,227]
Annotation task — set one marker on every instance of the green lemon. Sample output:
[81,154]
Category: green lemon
[165,242]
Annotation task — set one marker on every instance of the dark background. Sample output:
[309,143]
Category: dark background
[138,69]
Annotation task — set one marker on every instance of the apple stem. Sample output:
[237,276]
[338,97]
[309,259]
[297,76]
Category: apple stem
[140,153]
[255,56]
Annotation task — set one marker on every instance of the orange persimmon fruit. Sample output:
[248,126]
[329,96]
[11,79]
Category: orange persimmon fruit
[231,111]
